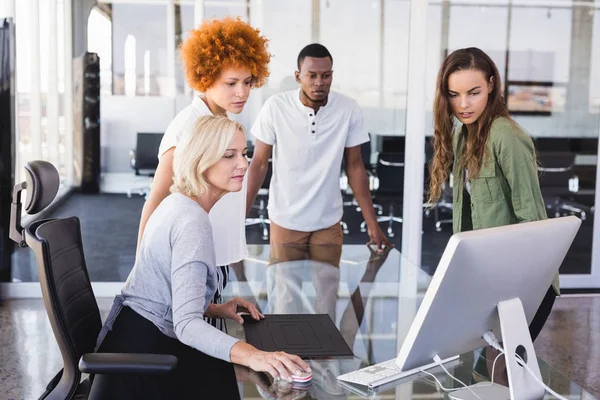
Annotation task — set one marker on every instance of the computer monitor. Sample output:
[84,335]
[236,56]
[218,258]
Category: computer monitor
[482,279]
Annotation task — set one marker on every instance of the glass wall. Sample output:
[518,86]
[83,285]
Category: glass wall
[370,64]
[541,49]
[547,52]
[41,72]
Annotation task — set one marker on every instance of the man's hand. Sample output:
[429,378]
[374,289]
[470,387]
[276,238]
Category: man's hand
[376,261]
[231,309]
[378,238]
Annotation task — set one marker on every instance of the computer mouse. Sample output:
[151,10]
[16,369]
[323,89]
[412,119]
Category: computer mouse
[302,377]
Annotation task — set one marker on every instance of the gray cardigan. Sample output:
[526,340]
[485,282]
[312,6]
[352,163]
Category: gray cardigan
[174,277]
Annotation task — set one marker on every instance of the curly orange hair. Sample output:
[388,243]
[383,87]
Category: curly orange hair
[224,43]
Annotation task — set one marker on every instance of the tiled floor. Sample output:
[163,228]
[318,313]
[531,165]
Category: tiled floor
[570,341]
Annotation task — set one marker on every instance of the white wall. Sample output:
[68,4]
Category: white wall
[121,118]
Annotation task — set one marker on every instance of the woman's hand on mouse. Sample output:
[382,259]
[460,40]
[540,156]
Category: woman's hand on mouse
[277,364]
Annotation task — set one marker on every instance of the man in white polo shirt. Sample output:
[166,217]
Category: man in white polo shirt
[308,132]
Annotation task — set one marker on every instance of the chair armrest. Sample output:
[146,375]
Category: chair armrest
[127,363]
[132,158]
[555,169]
[391,163]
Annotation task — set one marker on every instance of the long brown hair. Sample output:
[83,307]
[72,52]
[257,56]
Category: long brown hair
[443,120]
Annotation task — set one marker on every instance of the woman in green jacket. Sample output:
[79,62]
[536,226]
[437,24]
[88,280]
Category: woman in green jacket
[494,164]
[493,161]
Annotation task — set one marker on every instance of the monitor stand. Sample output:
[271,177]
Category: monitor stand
[515,339]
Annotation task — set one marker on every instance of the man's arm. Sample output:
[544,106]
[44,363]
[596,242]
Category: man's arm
[257,171]
[359,182]
[163,179]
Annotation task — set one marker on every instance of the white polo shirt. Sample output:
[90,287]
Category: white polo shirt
[228,215]
[308,150]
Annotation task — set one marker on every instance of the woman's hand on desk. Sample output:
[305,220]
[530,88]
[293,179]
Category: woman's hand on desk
[231,309]
[277,364]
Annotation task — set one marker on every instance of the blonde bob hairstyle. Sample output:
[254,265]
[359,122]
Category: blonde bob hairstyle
[199,150]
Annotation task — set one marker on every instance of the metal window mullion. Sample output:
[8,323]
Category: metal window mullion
[35,122]
[412,214]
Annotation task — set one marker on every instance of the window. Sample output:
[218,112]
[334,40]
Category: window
[139,48]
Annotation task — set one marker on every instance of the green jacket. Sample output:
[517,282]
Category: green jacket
[507,190]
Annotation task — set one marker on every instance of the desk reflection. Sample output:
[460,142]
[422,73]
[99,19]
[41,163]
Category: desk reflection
[355,285]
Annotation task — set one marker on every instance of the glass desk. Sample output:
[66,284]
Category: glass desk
[372,299]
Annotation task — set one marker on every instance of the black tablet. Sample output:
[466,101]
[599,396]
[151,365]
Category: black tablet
[306,335]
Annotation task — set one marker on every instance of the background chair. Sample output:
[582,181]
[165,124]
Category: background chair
[445,204]
[390,174]
[67,292]
[261,207]
[365,152]
[144,160]
[559,183]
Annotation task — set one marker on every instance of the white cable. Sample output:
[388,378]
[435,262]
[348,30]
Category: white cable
[447,390]
[491,339]
[548,389]
[438,361]
[450,390]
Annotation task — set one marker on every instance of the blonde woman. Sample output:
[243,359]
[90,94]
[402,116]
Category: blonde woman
[223,60]
[168,293]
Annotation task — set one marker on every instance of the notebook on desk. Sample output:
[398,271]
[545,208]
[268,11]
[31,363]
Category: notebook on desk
[306,335]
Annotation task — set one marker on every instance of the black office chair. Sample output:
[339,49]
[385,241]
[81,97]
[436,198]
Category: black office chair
[144,160]
[67,292]
[558,182]
[444,203]
[365,153]
[390,174]
[263,195]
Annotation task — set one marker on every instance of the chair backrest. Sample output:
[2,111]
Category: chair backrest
[555,170]
[365,153]
[550,144]
[68,297]
[146,151]
[390,173]
[267,181]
